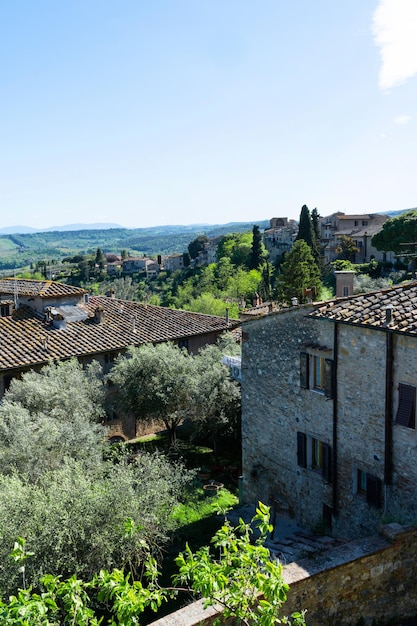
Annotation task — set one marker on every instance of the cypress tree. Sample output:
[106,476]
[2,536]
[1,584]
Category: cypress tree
[256,257]
[305,227]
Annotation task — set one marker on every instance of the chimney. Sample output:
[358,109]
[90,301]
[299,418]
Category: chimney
[110,293]
[227,315]
[388,315]
[344,283]
[99,315]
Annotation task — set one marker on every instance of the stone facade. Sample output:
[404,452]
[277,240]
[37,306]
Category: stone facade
[321,434]
[369,579]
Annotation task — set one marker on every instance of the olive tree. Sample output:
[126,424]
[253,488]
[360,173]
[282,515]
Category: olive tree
[218,401]
[63,493]
[156,383]
[51,415]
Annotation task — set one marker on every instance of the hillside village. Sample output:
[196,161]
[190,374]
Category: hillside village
[327,387]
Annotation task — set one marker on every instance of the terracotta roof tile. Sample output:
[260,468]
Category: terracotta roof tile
[25,340]
[369,309]
[41,288]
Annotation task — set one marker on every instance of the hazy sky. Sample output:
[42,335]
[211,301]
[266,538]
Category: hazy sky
[147,112]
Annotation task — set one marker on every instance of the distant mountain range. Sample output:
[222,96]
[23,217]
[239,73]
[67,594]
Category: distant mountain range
[27,230]
[24,230]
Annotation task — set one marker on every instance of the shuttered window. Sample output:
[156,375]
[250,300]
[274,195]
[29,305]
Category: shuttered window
[327,462]
[302,449]
[317,373]
[406,413]
[373,491]
[304,370]
[328,378]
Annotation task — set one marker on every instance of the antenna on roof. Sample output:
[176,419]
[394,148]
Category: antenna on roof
[15,290]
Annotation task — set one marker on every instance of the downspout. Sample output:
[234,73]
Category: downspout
[389,359]
[334,463]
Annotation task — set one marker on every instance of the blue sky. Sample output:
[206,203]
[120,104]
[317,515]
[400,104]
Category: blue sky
[148,112]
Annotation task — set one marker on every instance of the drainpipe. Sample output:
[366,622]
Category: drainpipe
[335,358]
[389,359]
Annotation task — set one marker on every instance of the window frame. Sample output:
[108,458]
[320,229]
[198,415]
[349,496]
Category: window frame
[406,412]
[317,373]
[369,487]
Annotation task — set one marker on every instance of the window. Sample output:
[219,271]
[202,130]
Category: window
[361,484]
[316,372]
[183,344]
[328,516]
[302,449]
[368,486]
[364,222]
[345,291]
[406,413]
[315,454]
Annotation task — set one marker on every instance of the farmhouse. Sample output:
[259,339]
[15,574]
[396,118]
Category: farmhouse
[328,411]
[43,320]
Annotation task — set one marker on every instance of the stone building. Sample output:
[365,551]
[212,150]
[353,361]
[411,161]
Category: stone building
[42,321]
[360,228]
[279,237]
[328,411]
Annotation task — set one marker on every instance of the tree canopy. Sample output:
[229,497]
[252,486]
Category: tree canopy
[398,234]
[156,383]
[299,272]
[62,492]
[197,245]
[257,249]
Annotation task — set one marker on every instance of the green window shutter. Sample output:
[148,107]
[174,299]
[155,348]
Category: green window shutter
[304,370]
[328,378]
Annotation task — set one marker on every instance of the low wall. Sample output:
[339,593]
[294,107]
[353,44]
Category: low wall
[372,578]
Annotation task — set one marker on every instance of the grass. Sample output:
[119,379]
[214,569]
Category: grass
[200,507]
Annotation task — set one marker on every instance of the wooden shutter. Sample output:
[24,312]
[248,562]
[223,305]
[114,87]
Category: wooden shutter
[302,449]
[304,370]
[373,491]
[406,406]
[328,378]
[327,462]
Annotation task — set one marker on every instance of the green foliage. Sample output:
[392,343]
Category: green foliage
[197,245]
[217,404]
[238,572]
[52,423]
[234,577]
[363,283]
[156,383]
[341,265]
[299,271]
[58,491]
[396,232]
[257,255]
[305,227]
[346,248]
[237,247]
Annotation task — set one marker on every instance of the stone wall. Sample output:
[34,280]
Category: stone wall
[371,578]
[275,408]
[355,424]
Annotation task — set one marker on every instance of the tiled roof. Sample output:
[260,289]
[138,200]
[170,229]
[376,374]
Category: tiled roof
[25,340]
[370,309]
[41,288]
